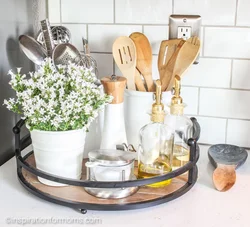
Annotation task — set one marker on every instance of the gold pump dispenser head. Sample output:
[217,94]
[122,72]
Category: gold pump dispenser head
[158,112]
[177,106]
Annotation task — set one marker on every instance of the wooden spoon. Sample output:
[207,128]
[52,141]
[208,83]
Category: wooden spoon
[167,49]
[226,158]
[124,54]
[144,58]
[169,69]
[186,57]
[138,81]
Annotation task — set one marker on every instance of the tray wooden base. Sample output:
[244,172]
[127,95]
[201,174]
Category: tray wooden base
[79,195]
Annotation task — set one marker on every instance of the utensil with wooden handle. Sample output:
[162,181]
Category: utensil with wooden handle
[186,57]
[167,49]
[138,81]
[226,158]
[168,72]
[124,54]
[144,58]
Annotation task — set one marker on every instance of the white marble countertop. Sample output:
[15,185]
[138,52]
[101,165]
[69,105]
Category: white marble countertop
[201,206]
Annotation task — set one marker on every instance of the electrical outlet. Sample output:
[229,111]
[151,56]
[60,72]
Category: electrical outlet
[184,26]
[184,32]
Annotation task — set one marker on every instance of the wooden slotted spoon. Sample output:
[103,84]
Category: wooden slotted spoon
[124,54]
[167,49]
[144,58]
[169,68]
[186,57]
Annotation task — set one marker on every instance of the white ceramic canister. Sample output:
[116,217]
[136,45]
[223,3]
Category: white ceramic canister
[59,153]
[137,109]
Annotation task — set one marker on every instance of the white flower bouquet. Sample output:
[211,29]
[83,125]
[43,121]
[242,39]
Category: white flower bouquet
[61,99]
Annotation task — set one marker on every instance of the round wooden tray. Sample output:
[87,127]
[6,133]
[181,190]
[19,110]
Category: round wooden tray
[77,195]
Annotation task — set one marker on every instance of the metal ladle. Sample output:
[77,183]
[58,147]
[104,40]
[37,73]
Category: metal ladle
[32,49]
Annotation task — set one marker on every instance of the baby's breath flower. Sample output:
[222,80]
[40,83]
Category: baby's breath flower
[57,100]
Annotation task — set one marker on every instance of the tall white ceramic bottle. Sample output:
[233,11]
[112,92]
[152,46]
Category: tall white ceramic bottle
[114,132]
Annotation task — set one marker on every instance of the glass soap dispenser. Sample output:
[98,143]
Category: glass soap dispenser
[181,125]
[156,144]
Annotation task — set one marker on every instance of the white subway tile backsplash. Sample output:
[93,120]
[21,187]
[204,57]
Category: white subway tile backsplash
[78,31]
[243,16]
[155,35]
[240,77]
[224,103]
[101,37]
[209,88]
[213,12]
[143,11]
[83,11]
[104,64]
[227,42]
[54,11]
[213,130]
[190,98]
[209,73]
[238,132]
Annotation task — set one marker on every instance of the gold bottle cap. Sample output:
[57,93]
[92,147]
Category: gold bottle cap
[177,106]
[158,112]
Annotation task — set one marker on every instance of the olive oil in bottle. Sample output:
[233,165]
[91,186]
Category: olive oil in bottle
[156,144]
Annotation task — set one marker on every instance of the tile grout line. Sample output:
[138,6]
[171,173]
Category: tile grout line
[226,130]
[217,88]
[172,6]
[157,24]
[60,12]
[114,11]
[217,117]
[236,12]
[231,75]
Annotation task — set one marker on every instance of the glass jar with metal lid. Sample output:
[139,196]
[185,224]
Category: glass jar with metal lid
[111,165]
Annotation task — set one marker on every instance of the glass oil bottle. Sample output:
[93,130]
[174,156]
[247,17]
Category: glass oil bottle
[156,144]
[181,125]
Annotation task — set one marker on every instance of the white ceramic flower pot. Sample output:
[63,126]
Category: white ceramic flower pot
[59,153]
[137,109]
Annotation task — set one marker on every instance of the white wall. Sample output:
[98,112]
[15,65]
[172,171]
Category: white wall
[218,87]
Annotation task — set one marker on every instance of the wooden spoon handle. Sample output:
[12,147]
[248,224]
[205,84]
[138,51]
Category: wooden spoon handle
[138,81]
[149,82]
[224,177]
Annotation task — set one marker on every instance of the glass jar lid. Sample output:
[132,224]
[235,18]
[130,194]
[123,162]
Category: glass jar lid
[111,157]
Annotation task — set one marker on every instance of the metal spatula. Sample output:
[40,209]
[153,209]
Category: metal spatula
[124,54]
[65,53]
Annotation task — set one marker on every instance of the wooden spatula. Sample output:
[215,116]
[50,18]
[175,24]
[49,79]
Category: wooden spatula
[144,58]
[169,69]
[124,54]
[226,158]
[186,57]
[167,49]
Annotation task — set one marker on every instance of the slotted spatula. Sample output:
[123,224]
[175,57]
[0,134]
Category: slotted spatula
[186,57]
[124,54]
[144,58]
[169,68]
[167,49]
